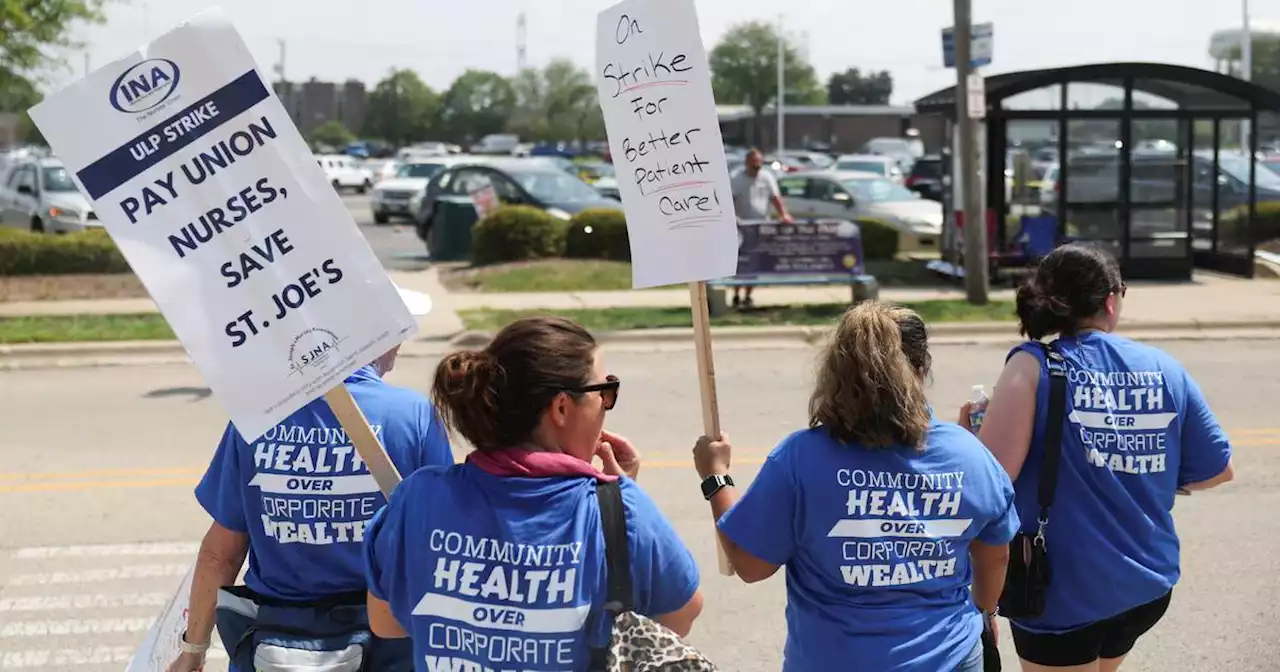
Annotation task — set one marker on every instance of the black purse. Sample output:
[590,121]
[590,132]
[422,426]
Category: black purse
[1029,573]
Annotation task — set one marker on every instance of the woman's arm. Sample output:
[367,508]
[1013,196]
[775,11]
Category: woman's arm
[748,567]
[381,621]
[1227,475]
[681,620]
[1011,414]
[990,563]
[218,564]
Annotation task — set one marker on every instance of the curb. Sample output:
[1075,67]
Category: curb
[90,354]
[811,334]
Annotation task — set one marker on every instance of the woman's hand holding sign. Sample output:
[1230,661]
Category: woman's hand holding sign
[711,457]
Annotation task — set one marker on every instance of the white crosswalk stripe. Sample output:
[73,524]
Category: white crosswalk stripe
[87,607]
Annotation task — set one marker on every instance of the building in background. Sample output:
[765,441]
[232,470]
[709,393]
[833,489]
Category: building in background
[842,128]
[313,103]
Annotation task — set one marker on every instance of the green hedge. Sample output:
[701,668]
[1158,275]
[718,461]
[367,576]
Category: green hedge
[27,253]
[879,240]
[1266,225]
[517,233]
[598,234]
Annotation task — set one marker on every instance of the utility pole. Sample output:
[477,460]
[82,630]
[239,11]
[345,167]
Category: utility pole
[975,221]
[781,107]
[1246,68]
[280,65]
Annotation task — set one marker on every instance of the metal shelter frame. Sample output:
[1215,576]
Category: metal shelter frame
[1193,99]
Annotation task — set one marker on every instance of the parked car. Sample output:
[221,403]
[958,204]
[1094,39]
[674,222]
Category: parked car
[905,150]
[382,169]
[39,195]
[344,172]
[926,177]
[884,166]
[808,160]
[497,143]
[529,182]
[401,195]
[855,195]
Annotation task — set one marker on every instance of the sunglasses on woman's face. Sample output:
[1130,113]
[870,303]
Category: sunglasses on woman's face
[608,391]
[1124,289]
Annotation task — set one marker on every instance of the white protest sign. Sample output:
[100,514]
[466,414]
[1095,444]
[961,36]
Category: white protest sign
[655,89]
[162,645]
[214,198]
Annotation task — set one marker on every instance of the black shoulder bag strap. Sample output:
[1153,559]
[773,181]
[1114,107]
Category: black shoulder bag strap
[1052,435]
[613,519]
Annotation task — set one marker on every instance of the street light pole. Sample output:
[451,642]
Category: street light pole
[975,224]
[782,90]
[1246,67]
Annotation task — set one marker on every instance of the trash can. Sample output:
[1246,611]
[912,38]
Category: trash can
[450,235]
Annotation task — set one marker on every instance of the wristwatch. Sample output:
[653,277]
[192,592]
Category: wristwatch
[712,484]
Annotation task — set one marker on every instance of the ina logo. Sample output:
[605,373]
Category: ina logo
[311,348]
[145,86]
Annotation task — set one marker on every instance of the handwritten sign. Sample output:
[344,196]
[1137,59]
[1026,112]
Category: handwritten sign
[162,645]
[655,89]
[213,197]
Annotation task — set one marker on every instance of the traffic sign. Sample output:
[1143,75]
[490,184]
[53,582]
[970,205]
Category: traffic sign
[980,51]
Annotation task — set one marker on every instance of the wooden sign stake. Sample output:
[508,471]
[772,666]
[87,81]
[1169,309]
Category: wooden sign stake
[362,437]
[707,385]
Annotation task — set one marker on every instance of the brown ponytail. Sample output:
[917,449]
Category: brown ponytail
[495,397]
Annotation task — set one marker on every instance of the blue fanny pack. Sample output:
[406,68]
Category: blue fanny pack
[265,635]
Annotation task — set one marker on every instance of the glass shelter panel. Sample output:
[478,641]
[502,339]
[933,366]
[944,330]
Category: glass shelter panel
[1101,95]
[1043,98]
[1092,186]
[1203,185]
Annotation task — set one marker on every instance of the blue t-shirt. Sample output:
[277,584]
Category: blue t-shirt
[876,545]
[304,496]
[488,572]
[1137,427]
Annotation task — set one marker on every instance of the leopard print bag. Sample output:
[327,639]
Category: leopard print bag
[639,644]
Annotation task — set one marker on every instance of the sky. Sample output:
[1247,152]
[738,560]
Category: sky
[325,39]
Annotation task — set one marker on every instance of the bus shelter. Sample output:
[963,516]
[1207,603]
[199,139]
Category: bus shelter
[1157,162]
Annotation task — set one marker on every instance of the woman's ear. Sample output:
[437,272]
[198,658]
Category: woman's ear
[559,410]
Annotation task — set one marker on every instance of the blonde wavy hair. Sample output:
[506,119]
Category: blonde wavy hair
[870,383]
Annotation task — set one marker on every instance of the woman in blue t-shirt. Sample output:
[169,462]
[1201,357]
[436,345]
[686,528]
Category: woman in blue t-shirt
[1136,429]
[499,563]
[882,515]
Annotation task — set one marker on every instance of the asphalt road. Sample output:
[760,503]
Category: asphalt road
[395,242]
[98,524]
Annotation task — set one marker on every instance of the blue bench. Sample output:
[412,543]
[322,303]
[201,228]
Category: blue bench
[862,287]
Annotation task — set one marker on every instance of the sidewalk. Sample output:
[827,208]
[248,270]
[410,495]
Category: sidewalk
[1209,300]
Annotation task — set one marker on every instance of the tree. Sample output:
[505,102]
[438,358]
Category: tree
[557,103]
[851,87]
[402,109]
[1265,69]
[332,133]
[744,70]
[30,30]
[477,104]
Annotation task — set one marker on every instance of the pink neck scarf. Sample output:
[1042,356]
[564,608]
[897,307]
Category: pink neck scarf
[522,463]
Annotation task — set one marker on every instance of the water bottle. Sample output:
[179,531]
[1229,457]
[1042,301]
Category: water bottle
[978,407]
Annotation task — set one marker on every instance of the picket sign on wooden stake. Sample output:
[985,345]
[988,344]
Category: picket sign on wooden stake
[654,89]
[362,437]
[707,386]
